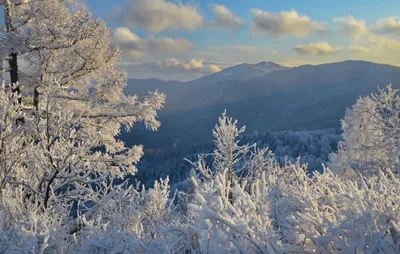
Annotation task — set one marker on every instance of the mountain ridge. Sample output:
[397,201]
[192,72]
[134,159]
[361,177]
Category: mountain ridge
[298,98]
[263,62]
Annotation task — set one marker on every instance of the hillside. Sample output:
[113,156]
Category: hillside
[301,98]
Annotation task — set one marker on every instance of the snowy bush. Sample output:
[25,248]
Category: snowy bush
[343,216]
[284,210]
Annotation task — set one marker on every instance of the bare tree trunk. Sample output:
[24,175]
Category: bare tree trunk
[36,98]
[13,58]
[13,64]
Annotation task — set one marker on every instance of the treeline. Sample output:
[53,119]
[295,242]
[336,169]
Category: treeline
[313,148]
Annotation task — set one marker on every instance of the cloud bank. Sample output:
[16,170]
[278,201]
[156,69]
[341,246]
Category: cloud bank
[160,15]
[137,47]
[388,25]
[194,65]
[286,23]
[319,48]
[224,17]
[358,50]
[351,26]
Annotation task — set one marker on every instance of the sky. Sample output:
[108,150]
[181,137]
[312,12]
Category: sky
[186,39]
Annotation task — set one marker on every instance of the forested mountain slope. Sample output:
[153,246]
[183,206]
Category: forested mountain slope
[301,98]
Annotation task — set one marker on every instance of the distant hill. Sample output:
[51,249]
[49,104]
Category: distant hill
[177,92]
[239,72]
[263,96]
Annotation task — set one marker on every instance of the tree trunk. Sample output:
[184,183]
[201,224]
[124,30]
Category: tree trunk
[13,59]
[13,64]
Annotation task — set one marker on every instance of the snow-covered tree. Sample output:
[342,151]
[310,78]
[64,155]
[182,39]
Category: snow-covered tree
[11,137]
[233,223]
[133,220]
[347,216]
[228,152]
[248,214]
[72,98]
[282,209]
[59,120]
[371,134]
[55,163]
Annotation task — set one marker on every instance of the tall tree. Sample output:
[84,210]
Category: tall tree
[69,90]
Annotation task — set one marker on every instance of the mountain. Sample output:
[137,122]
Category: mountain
[177,92]
[216,82]
[239,72]
[305,97]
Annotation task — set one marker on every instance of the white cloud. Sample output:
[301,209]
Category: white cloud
[383,43]
[388,25]
[123,34]
[137,47]
[160,15]
[378,47]
[194,65]
[224,17]
[320,48]
[351,26]
[274,52]
[171,69]
[170,63]
[286,23]
[214,68]
[359,50]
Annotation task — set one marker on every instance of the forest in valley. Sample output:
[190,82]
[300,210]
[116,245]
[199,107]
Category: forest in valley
[69,182]
[309,147]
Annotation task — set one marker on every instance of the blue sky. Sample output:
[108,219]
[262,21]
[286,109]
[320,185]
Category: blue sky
[183,40]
